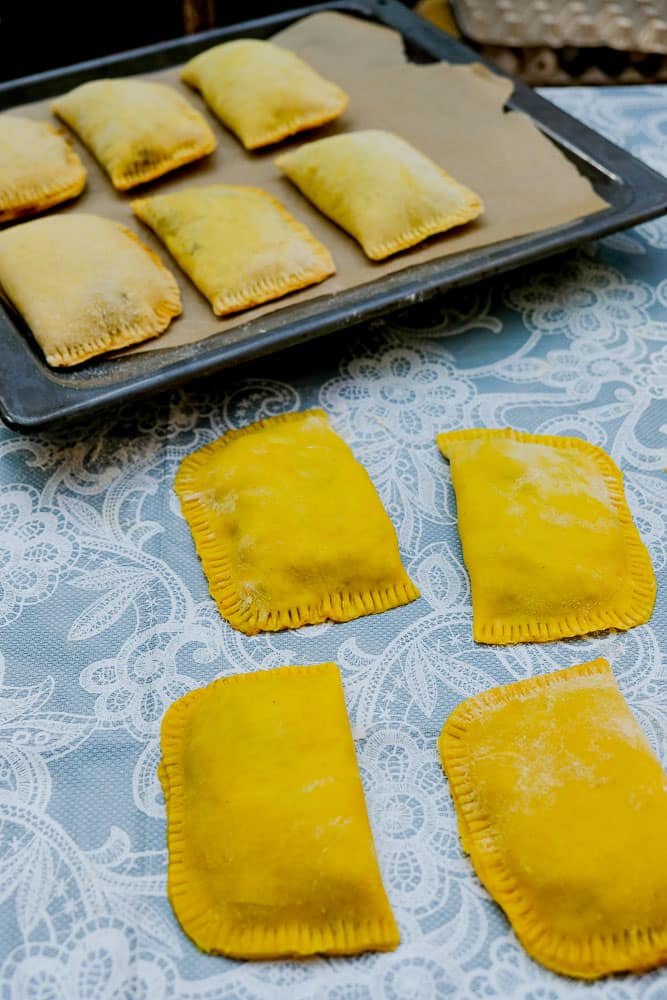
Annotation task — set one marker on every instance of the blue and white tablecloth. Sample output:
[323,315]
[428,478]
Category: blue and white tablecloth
[105,619]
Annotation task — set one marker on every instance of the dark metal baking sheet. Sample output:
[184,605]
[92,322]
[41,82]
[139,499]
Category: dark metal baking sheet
[34,396]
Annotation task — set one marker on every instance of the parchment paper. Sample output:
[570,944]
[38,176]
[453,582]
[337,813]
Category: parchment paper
[454,114]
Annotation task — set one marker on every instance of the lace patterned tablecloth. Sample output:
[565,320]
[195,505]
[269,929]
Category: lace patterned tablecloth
[105,619]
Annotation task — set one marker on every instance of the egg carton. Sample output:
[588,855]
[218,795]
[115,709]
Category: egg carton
[541,66]
[638,26]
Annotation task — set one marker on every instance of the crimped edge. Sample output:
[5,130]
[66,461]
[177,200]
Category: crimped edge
[341,606]
[17,200]
[213,934]
[151,326]
[124,178]
[257,292]
[637,597]
[298,123]
[471,210]
[338,103]
[639,949]
[440,223]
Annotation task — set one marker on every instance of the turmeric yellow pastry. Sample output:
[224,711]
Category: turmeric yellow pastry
[270,850]
[38,168]
[379,189]
[547,537]
[137,130]
[289,527]
[85,285]
[562,806]
[261,92]
[238,245]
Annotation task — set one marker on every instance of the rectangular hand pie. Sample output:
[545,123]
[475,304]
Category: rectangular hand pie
[85,285]
[38,168]
[562,806]
[379,189]
[137,130]
[289,527]
[270,850]
[547,537]
[261,92]
[238,245]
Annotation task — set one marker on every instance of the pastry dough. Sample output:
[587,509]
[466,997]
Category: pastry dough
[289,527]
[380,189]
[547,537]
[85,285]
[562,807]
[137,130]
[270,850]
[261,92]
[238,245]
[38,168]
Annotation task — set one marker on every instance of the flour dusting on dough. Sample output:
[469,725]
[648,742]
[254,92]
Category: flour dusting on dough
[318,783]
[553,472]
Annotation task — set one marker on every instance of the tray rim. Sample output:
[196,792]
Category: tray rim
[41,397]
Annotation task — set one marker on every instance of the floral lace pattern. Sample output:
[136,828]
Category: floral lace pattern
[105,619]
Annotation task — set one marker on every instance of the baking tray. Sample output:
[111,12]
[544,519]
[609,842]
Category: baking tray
[33,396]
